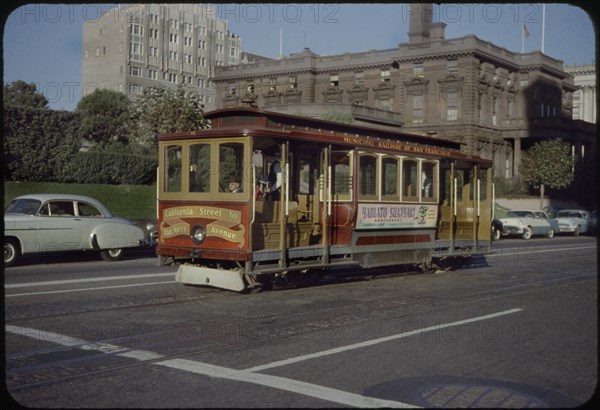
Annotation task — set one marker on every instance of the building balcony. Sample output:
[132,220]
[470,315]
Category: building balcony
[359,113]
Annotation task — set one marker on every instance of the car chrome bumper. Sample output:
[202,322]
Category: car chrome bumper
[512,230]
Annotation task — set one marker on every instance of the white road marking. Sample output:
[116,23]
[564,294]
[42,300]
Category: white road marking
[250,375]
[282,383]
[526,248]
[49,292]
[98,279]
[377,341]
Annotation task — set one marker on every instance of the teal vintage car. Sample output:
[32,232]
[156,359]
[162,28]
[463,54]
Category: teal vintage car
[575,221]
[59,222]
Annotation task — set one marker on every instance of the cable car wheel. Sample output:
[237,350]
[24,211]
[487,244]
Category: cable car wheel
[295,278]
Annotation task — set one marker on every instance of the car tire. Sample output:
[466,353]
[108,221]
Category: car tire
[526,233]
[497,235]
[12,252]
[112,255]
[550,233]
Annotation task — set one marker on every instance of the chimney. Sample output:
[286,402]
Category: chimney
[419,25]
[437,31]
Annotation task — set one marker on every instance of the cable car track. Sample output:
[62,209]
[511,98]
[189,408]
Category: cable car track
[22,372]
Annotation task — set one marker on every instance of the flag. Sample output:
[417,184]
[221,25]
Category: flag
[525,31]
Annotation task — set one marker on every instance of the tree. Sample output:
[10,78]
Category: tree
[160,110]
[548,163]
[19,93]
[39,144]
[105,117]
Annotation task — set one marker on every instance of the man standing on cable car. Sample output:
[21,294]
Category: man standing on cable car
[274,179]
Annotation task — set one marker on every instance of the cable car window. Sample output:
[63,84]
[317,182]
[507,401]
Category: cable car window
[367,177]
[483,177]
[459,174]
[306,172]
[342,177]
[389,177]
[231,167]
[172,168]
[428,181]
[200,168]
[409,179]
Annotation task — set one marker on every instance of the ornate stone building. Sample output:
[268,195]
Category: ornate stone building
[584,98]
[495,101]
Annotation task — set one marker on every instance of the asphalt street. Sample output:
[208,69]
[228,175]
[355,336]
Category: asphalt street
[517,330]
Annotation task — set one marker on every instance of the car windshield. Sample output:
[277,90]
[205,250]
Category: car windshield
[568,214]
[519,214]
[23,206]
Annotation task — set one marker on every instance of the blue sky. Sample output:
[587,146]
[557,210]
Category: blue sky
[42,42]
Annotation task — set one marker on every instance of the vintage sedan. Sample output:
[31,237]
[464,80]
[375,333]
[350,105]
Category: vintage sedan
[527,223]
[56,222]
[573,221]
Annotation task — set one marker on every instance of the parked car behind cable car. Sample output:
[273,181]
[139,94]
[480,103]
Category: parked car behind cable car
[528,223]
[573,221]
[58,222]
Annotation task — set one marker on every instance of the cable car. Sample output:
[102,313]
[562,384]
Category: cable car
[265,197]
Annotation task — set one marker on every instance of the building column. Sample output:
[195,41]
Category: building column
[516,158]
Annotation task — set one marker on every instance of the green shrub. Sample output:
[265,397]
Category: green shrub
[127,201]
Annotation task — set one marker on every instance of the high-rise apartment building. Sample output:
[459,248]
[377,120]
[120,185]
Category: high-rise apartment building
[137,46]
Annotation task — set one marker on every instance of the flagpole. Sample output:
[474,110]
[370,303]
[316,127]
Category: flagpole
[523,38]
[543,25]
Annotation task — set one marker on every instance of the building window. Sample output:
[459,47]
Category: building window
[86,53]
[135,89]
[418,70]
[293,82]
[452,66]
[417,108]
[451,103]
[173,38]
[359,78]
[135,71]
[334,80]
[385,103]
[385,76]
[136,48]
[136,30]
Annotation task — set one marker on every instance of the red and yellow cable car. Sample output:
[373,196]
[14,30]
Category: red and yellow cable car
[265,197]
